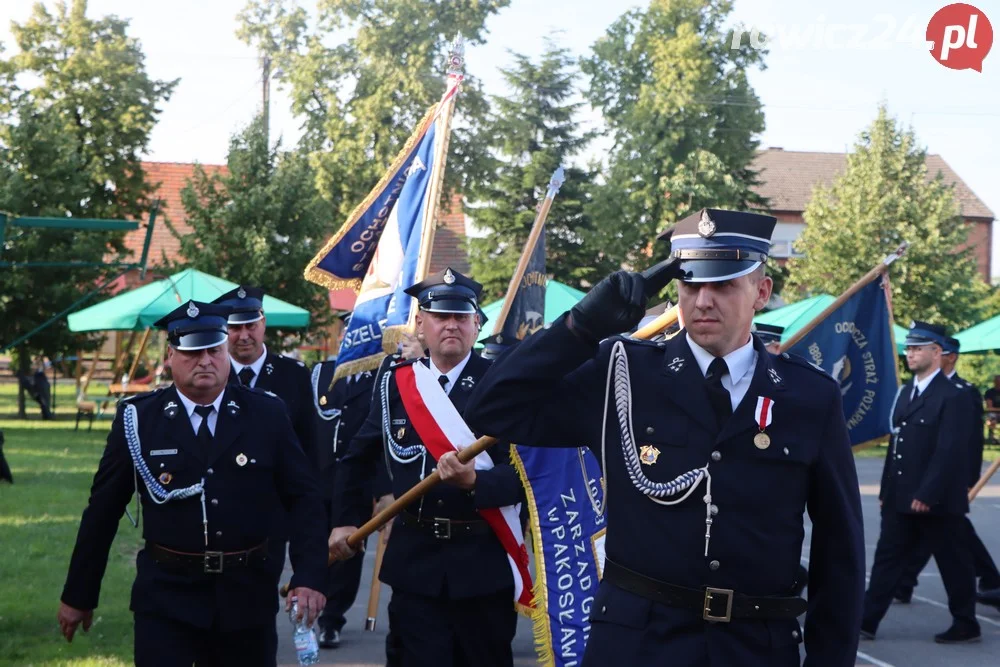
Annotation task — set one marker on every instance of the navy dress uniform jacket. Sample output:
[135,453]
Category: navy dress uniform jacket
[352,397]
[289,379]
[415,561]
[929,459]
[550,391]
[976,440]
[239,501]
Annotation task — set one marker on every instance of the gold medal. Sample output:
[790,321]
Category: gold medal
[400,433]
[166,478]
[762,440]
[241,459]
[322,400]
[648,454]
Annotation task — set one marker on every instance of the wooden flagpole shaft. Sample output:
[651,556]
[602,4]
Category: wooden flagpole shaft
[665,320]
[376,589]
[522,264]
[842,299]
[974,491]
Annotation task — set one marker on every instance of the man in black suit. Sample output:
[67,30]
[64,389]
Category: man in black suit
[212,463]
[924,489]
[452,587]
[986,569]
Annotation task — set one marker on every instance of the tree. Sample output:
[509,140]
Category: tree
[533,131]
[682,118]
[258,222]
[76,111]
[361,97]
[885,197]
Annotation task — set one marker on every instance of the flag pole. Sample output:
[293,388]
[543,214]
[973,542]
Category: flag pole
[558,178]
[456,66]
[842,299]
[974,491]
[664,320]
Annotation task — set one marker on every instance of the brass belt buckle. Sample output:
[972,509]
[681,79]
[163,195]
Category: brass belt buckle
[442,528]
[213,562]
[710,594]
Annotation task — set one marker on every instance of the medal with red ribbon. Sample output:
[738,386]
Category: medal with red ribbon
[763,418]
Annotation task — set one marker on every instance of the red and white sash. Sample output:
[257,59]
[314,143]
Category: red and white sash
[442,429]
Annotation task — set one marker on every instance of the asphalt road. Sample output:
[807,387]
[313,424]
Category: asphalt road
[905,637]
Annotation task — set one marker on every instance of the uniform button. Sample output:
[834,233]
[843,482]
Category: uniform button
[786,451]
[210,471]
[650,430]
[900,472]
[163,465]
[604,609]
[215,501]
[714,565]
[795,634]
[218,533]
[714,509]
[716,456]
[899,456]
[440,503]
[903,424]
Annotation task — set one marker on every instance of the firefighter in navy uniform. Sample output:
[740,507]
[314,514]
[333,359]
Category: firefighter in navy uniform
[985,567]
[924,489]
[256,366]
[712,451]
[210,463]
[341,407]
[452,588]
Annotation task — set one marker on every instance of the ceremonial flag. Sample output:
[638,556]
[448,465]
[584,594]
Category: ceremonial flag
[854,344]
[377,251]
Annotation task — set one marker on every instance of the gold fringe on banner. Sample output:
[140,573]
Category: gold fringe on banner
[319,276]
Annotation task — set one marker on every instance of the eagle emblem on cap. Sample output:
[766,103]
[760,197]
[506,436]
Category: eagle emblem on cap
[242,293]
[449,277]
[706,226]
[192,310]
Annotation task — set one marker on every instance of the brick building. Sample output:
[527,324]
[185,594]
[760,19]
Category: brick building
[788,178]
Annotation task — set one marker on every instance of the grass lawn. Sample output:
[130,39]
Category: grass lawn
[53,466]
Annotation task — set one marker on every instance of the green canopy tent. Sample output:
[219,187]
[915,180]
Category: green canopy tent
[139,308]
[559,298]
[982,337]
[795,316]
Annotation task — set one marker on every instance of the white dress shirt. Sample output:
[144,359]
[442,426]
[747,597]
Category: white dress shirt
[452,374]
[257,366]
[921,385]
[741,362]
[195,418]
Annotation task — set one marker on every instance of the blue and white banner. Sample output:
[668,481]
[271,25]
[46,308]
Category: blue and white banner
[565,499]
[854,345]
[376,252]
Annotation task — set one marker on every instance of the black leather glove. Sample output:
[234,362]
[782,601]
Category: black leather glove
[614,305]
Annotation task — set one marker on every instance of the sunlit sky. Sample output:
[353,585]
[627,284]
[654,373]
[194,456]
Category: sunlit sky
[822,85]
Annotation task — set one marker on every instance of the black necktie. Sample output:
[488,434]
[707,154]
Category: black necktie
[204,433]
[443,381]
[718,396]
[246,376]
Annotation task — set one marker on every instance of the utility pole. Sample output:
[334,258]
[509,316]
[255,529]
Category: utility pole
[266,96]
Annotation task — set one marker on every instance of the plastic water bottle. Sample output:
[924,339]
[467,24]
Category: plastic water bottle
[306,646]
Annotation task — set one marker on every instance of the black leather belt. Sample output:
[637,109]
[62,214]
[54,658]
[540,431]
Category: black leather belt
[714,604]
[447,529]
[209,562]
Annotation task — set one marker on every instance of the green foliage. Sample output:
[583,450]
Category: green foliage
[259,222]
[885,197]
[76,110]
[682,117]
[363,75]
[532,131]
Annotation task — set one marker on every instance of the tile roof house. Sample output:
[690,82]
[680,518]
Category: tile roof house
[788,178]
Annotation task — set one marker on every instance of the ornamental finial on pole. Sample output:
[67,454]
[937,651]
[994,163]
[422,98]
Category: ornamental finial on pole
[456,57]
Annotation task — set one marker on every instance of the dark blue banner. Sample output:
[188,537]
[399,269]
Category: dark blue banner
[854,345]
[565,499]
[527,311]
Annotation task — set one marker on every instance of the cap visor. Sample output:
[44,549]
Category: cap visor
[448,306]
[715,270]
[198,340]
[246,318]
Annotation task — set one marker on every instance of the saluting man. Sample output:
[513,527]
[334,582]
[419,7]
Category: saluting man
[452,586]
[712,451]
[211,464]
